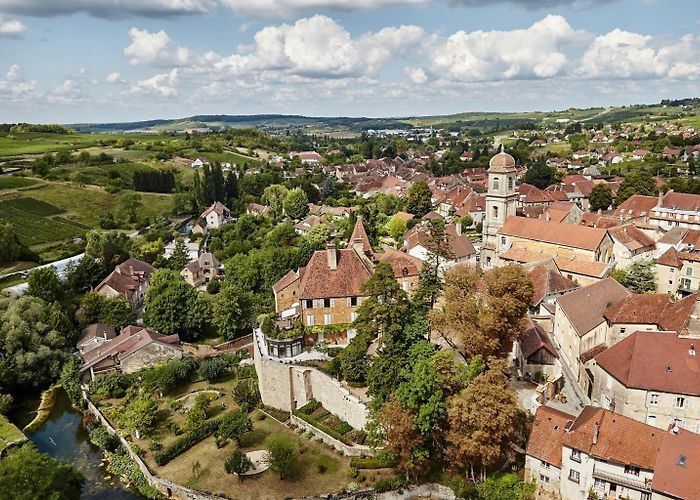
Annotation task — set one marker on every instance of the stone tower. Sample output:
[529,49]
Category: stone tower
[500,203]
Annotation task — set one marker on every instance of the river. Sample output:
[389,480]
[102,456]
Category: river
[63,437]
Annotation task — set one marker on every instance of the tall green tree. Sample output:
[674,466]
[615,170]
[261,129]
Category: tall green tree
[45,284]
[296,204]
[601,197]
[11,248]
[540,175]
[639,277]
[130,203]
[430,279]
[237,463]
[26,474]
[113,311]
[231,193]
[173,306]
[110,248]
[273,197]
[180,256]
[282,457]
[233,310]
[234,425]
[141,415]
[419,199]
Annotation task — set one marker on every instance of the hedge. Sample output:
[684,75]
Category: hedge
[390,484]
[381,461]
[186,441]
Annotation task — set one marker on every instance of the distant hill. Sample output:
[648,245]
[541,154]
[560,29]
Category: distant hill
[681,109]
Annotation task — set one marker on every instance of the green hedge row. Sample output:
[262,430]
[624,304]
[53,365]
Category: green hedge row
[381,461]
[321,427]
[186,441]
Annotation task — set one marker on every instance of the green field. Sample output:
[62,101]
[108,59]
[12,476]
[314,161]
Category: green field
[9,434]
[16,182]
[33,206]
[33,228]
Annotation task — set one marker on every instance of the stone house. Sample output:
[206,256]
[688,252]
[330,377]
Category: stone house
[406,267]
[548,283]
[134,348]
[94,336]
[610,455]
[201,271]
[128,280]
[214,217]
[305,226]
[652,377]
[630,245]
[534,353]
[416,244]
[678,272]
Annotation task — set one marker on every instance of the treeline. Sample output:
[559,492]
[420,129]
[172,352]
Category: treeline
[154,181]
[45,129]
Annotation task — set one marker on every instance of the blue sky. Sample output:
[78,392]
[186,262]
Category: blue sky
[117,60]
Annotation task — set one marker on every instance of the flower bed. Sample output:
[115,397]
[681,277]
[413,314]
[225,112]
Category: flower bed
[315,414]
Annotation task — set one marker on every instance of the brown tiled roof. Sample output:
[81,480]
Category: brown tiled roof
[585,306]
[677,315]
[592,353]
[547,433]
[692,237]
[632,238]
[320,281]
[359,232]
[568,235]
[674,235]
[638,204]
[638,308]
[432,215]
[670,258]
[670,476]
[642,361]
[97,330]
[204,261]
[136,266]
[460,244]
[681,201]
[620,439]
[545,281]
[126,277]
[535,338]
[217,207]
[401,263]
[285,281]
[565,265]
[404,216]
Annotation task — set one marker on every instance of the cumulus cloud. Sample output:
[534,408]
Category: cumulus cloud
[69,92]
[114,77]
[162,84]
[15,88]
[622,54]
[11,28]
[154,49]
[112,9]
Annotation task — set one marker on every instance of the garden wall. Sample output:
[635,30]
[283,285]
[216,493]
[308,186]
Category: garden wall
[351,451]
[288,387]
[167,488]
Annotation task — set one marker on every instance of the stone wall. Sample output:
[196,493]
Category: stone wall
[150,355]
[348,450]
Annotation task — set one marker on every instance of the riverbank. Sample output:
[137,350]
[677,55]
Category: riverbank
[48,399]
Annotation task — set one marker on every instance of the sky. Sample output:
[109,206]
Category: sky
[70,61]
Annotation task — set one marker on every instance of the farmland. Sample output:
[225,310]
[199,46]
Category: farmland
[25,214]
[16,182]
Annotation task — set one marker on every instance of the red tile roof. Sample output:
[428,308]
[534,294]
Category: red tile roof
[320,281]
[670,258]
[673,478]
[401,263]
[359,232]
[545,281]
[638,308]
[535,338]
[642,361]
[681,201]
[620,439]
[557,233]
[632,238]
[636,205]
[547,433]
[285,281]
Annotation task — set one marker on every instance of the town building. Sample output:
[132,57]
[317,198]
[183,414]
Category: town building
[202,270]
[501,201]
[212,218]
[128,280]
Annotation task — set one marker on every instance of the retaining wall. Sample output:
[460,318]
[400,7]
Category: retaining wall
[351,451]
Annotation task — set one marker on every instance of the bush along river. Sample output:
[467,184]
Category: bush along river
[64,437]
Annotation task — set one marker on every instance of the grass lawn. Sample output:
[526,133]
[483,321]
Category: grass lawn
[16,182]
[9,433]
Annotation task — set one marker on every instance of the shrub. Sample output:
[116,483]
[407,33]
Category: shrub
[112,385]
[381,461]
[310,407]
[175,429]
[343,428]
[357,436]
[120,464]
[322,468]
[390,484]
[246,394]
[186,441]
[214,286]
[100,437]
[213,368]
[155,445]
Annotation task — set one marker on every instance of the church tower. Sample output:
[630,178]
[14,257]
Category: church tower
[500,203]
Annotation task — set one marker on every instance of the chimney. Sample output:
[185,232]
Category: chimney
[332,256]
[596,430]
[661,199]
[358,246]
[458,228]
[131,270]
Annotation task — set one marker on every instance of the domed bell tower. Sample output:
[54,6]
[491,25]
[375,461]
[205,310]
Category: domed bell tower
[501,200]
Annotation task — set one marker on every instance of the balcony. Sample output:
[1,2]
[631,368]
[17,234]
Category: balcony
[622,479]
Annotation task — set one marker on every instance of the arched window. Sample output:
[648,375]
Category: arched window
[510,183]
[503,240]
[495,211]
[495,183]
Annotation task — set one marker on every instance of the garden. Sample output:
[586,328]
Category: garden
[195,422]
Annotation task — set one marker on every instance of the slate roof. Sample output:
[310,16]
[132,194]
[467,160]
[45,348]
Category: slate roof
[642,361]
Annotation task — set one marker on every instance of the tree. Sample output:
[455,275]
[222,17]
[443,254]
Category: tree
[273,197]
[396,227]
[636,182]
[353,359]
[231,189]
[70,381]
[11,248]
[180,256]
[403,440]
[84,275]
[113,311]
[430,281]
[149,251]
[26,474]
[639,277]
[419,199]
[601,197]
[281,456]
[237,463]
[141,415]
[34,350]
[173,306]
[505,487]
[483,420]
[233,425]
[45,284]
[109,248]
[540,175]
[214,286]
[296,204]
[233,310]
[130,203]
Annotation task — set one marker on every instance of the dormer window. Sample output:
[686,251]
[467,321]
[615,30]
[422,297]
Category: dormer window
[682,460]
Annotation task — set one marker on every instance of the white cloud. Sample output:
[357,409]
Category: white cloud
[417,76]
[535,52]
[15,88]
[11,28]
[112,9]
[69,92]
[115,77]
[161,84]
[154,49]
[622,54]
[275,8]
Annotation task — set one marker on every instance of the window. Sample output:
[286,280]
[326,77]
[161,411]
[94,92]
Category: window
[576,455]
[503,240]
[622,331]
[645,496]
[574,476]
[680,402]
[679,422]
[682,460]
[599,484]
[631,469]
[653,399]
[689,271]
[495,212]
[327,319]
[309,321]
[495,182]
[353,316]
[543,478]
[544,465]
[309,304]
[651,420]
[510,183]
[326,302]
[353,301]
